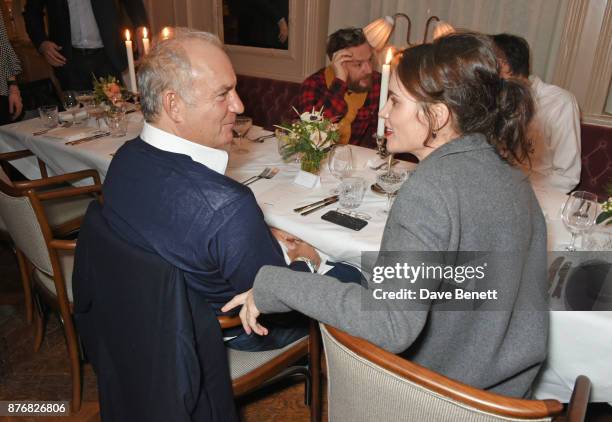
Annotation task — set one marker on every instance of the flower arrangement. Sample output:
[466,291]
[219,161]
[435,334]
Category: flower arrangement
[312,135]
[606,207]
[109,90]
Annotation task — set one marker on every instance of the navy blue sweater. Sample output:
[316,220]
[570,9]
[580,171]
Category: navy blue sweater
[200,221]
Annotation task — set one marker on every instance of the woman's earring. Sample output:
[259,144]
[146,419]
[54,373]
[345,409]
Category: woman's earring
[434,134]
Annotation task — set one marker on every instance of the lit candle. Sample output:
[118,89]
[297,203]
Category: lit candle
[165,33]
[384,91]
[145,41]
[130,57]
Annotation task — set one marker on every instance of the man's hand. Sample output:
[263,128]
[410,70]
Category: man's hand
[248,313]
[296,247]
[51,53]
[14,102]
[338,61]
[283,30]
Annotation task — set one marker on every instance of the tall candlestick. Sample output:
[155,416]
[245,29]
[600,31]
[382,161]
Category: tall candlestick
[384,91]
[145,41]
[130,58]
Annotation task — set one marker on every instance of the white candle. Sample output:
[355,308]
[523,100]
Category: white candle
[384,91]
[130,57]
[165,34]
[145,41]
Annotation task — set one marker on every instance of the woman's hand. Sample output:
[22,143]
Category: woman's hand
[248,313]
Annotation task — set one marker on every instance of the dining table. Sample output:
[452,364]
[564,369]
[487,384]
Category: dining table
[579,342]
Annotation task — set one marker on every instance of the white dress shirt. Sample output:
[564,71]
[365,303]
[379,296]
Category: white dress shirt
[555,132]
[84,31]
[214,159]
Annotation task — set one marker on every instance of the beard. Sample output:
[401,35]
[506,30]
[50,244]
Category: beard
[355,86]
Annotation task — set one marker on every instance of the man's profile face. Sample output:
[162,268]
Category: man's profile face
[359,69]
[209,121]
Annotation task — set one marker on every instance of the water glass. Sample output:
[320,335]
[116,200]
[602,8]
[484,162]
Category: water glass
[351,192]
[49,115]
[390,181]
[579,213]
[241,127]
[117,123]
[71,104]
[340,162]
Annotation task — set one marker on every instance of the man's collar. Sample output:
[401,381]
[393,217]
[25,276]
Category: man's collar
[214,159]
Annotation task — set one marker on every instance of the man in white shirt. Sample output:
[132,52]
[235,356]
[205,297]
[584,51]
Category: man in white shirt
[555,129]
[167,193]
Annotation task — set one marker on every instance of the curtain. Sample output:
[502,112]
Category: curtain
[540,22]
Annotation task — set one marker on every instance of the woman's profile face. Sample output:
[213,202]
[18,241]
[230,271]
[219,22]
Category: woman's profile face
[406,127]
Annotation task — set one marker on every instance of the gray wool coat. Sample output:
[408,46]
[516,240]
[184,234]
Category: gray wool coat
[462,197]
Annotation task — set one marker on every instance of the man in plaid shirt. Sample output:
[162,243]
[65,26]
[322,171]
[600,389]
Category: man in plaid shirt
[348,89]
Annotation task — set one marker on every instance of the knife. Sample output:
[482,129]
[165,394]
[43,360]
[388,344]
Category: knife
[89,138]
[323,205]
[305,207]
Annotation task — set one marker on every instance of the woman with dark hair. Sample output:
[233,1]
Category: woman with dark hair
[449,107]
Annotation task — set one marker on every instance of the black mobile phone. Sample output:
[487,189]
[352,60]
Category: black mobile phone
[344,220]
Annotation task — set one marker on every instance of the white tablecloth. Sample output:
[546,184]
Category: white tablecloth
[579,342]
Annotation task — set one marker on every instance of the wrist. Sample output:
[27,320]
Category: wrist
[312,265]
[13,88]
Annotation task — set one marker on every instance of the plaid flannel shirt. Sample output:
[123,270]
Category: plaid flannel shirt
[314,93]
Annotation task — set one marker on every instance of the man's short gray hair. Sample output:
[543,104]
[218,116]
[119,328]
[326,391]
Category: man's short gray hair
[167,67]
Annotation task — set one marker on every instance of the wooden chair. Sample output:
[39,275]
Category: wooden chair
[254,370]
[46,259]
[64,214]
[367,383]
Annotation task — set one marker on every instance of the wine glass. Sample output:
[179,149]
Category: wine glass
[97,111]
[241,127]
[579,213]
[390,181]
[71,104]
[340,163]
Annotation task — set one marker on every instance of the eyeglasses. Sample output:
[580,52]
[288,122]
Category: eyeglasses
[361,215]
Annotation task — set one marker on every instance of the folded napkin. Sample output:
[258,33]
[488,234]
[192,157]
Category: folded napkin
[71,133]
[66,116]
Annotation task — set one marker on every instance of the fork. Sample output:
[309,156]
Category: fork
[262,138]
[269,175]
[264,173]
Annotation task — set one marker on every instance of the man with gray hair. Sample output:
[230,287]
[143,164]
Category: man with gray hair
[166,191]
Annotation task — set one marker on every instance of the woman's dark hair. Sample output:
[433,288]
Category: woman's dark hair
[344,38]
[460,70]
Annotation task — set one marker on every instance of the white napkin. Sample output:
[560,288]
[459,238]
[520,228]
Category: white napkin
[66,116]
[71,133]
[376,162]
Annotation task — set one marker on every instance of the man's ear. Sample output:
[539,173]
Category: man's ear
[173,106]
[441,115]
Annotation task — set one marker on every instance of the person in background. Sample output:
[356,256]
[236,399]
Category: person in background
[348,89]
[555,131]
[84,37]
[448,106]
[10,97]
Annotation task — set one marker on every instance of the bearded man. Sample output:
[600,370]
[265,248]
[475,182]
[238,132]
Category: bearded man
[348,89]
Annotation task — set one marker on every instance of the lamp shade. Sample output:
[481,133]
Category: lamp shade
[442,28]
[378,32]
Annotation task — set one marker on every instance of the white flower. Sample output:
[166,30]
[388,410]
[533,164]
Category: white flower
[312,116]
[318,137]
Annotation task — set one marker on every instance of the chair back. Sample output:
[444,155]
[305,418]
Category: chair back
[17,212]
[360,389]
[156,347]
